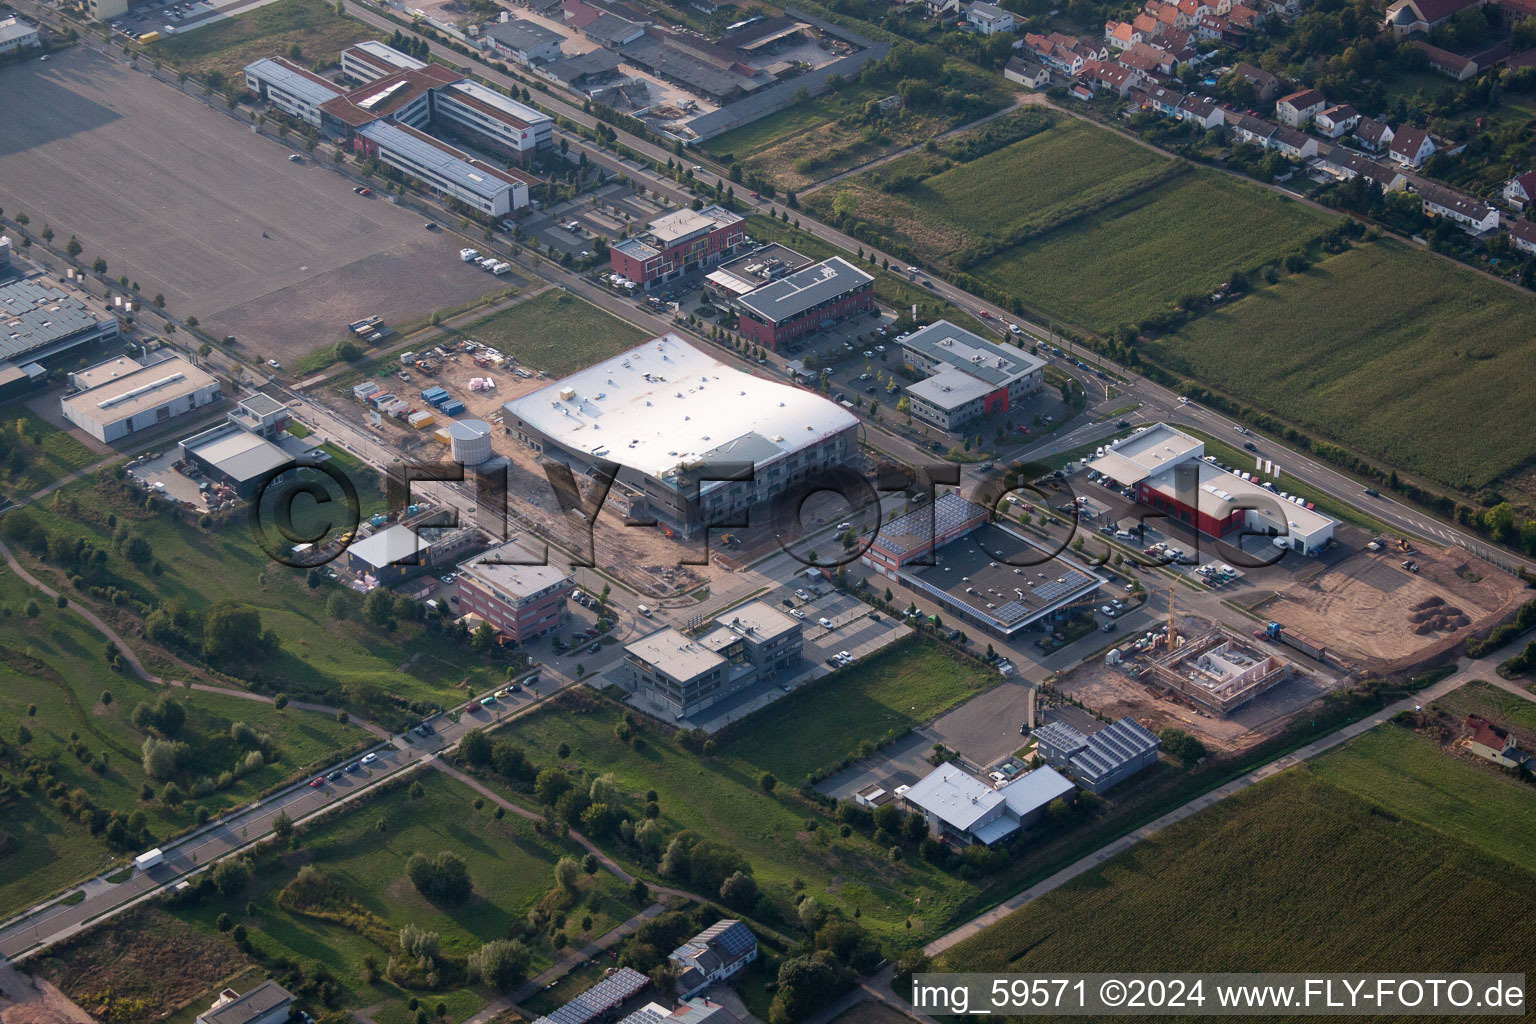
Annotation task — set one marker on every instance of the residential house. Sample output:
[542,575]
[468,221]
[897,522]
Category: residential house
[1296,109]
[1253,130]
[1292,142]
[1244,17]
[1411,146]
[1211,27]
[1178,42]
[1475,216]
[716,953]
[1079,91]
[1117,78]
[1451,65]
[1121,34]
[962,809]
[1405,17]
[942,10]
[1163,101]
[1168,14]
[1346,165]
[1336,120]
[1521,190]
[1149,59]
[988,19]
[1058,52]
[1524,234]
[1024,72]
[1201,111]
[1149,27]
[1489,741]
[1372,134]
[1265,85]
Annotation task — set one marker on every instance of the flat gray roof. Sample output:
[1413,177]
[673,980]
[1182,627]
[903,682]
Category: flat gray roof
[120,388]
[442,159]
[674,653]
[241,455]
[34,315]
[516,580]
[256,1003]
[985,360]
[789,297]
[306,85]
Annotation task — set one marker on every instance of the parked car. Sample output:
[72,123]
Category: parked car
[335,775]
[370,758]
[354,766]
[824,622]
[317,782]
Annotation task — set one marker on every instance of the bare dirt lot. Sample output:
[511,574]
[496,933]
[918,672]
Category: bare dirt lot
[1365,608]
[176,196]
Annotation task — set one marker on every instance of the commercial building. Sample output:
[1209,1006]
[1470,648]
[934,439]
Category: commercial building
[296,91]
[689,1011]
[111,400]
[445,169]
[16,34]
[1170,472]
[401,550]
[523,41]
[804,301]
[39,320]
[986,573]
[242,450]
[371,60]
[601,1000]
[1101,760]
[106,10]
[677,244]
[683,675]
[521,601]
[750,272]
[718,952]
[962,809]
[673,420]
[968,376]
[267,1003]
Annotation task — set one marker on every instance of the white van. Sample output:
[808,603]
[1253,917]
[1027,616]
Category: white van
[643,610]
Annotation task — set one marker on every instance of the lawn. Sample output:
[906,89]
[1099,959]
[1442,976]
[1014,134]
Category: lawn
[1409,776]
[813,141]
[720,798]
[1144,254]
[49,453]
[229,45]
[1295,874]
[54,662]
[334,661]
[556,332]
[1493,703]
[882,697]
[1407,357]
[512,869]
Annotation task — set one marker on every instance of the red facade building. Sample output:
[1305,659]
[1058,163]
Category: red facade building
[805,301]
[678,244]
[520,601]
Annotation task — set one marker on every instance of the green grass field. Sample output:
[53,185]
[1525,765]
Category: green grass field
[1407,357]
[1409,776]
[341,662]
[50,453]
[52,850]
[227,46]
[1146,253]
[818,726]
[719,797]
[556,332]
[1295,874]
[1480,698]
[512,869]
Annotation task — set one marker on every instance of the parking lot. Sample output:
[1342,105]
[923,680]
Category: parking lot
[179,198]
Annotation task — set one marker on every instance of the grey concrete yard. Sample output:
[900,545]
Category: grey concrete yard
[178,197]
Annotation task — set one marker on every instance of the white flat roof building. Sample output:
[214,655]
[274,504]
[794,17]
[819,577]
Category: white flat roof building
[664,411]
[1206,497]
[371,60]
[961,807]
[292,89]
[121,396]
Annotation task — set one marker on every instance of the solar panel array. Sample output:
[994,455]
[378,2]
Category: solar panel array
[948,513]
[599,999]
[1065,584]
[733,937]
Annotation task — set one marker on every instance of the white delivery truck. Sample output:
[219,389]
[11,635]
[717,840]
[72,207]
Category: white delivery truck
[145,861]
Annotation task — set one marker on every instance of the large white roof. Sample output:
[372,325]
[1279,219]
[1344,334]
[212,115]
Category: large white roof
[664,403]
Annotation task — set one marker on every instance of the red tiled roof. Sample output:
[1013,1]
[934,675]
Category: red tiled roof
[1484,732]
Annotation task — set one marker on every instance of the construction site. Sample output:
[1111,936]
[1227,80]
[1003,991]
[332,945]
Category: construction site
[1218,670]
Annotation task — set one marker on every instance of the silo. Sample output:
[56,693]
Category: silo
[470,441]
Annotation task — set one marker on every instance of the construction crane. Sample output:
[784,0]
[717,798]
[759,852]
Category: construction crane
[1172,632]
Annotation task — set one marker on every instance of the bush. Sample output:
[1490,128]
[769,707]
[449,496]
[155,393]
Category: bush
[501,964]
[441,880]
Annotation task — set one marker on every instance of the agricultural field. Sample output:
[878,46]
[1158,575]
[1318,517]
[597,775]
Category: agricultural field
[719,795]
[556,332]
[1147,252]
[228,46]
[325,652]
[1408,775]
[1078,223]
[1406,357]
[78,716]
[820,725]
[1268,871]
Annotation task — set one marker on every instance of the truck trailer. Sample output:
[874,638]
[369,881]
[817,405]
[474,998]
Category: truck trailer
[153,858]
[1300,641]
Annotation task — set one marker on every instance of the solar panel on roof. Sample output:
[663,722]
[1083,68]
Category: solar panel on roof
[1068,582]
[736,940]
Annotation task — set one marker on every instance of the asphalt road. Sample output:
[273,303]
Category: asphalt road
[40,928]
